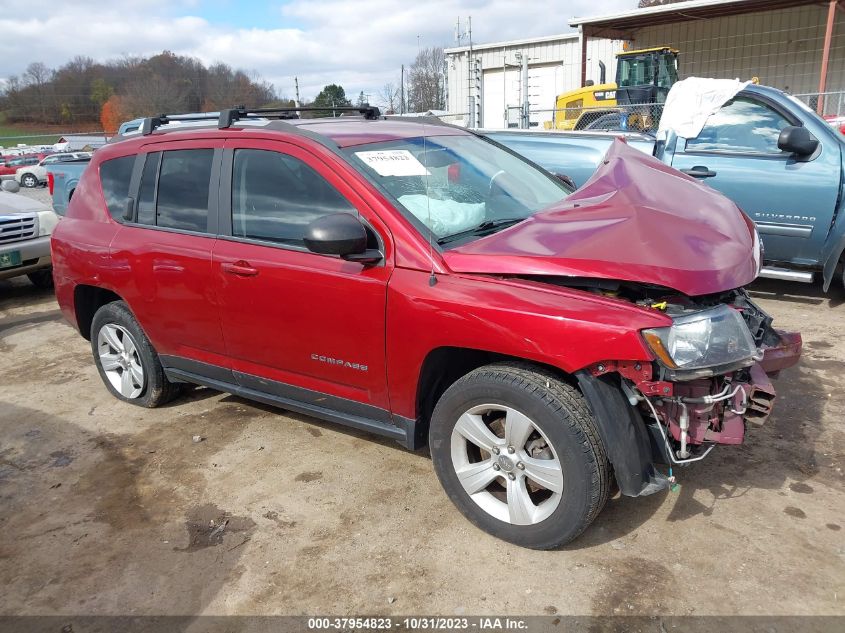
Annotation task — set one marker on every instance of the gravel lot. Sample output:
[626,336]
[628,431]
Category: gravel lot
[112,509]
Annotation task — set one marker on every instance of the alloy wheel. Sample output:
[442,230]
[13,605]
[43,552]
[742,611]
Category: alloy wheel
[506,464]
[118,356]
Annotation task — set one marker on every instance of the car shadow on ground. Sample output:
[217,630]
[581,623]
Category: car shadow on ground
[795,292]
[19,292]
[318,425]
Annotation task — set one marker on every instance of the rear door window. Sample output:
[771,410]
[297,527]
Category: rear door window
[183,189]
[115,175]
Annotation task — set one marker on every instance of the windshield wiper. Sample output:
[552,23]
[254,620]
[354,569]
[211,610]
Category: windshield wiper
[481,229]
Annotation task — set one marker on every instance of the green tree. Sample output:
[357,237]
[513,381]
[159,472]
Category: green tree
[100,91]
[331,96]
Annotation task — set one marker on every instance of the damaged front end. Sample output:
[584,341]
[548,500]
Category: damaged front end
[711,374]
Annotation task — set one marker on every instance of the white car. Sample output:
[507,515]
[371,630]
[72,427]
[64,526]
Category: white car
[25,228]
[34,175]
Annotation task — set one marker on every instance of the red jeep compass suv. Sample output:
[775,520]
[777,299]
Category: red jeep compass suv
[419,281]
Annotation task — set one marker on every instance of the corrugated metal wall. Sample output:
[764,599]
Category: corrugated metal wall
[783,48]
[554,66]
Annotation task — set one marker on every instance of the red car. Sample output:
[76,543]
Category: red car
[836,121]
[423,283]
[11,164]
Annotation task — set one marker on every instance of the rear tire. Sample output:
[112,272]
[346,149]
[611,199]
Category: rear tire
[42,278]
[126,360]
[550,477]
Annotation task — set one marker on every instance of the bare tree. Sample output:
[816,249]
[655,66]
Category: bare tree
[38,76]
[166,82]
[389,97]
[152,94]
[426,79]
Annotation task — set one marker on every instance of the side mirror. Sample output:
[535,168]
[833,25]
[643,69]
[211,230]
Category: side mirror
[797,140]
[11,186]
[340,234]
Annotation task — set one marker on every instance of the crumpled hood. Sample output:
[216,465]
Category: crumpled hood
[635,220]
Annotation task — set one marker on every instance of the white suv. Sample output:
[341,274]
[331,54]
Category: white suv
[25,228]
[34,175]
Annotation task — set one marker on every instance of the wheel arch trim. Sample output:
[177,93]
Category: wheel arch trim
[624,434]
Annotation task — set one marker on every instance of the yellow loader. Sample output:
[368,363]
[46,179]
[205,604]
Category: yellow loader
[642,77]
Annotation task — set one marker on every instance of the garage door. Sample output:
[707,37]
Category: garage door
[544,84]
[500,91]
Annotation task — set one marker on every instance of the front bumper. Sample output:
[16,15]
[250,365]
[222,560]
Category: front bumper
[784,355]
[35,255]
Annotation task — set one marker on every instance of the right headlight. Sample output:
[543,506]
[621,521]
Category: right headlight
[702,341]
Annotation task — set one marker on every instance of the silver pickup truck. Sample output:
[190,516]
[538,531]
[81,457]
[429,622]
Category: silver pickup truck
[25,229]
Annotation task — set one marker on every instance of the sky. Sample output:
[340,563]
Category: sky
[357,44]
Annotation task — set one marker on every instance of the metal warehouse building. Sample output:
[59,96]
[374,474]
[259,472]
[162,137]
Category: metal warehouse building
[489,82]
[794,45]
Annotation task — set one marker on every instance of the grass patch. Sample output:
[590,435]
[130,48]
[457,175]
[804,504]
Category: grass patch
[11,137]
[13,134]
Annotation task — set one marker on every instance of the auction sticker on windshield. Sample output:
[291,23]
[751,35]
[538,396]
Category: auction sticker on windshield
[393,162]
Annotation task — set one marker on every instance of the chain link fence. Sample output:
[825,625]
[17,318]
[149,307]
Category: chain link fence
[629,118]
[624,118]
[827,104]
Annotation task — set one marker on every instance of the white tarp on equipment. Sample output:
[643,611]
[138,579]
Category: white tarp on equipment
[691,101]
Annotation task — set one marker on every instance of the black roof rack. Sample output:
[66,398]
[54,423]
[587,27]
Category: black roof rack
[228,117]
[153,122]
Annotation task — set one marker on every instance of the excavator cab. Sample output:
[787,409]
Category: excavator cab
[645,76]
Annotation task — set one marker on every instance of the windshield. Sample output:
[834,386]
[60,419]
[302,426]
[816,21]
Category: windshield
[458,184]
[636,71]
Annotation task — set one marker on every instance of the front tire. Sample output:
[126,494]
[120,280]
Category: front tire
[29,181]
[126,360]
[518,453]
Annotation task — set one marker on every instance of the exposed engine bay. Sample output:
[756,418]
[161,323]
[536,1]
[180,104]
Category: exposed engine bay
[711,376]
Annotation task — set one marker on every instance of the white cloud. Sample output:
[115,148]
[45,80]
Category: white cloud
[359,45]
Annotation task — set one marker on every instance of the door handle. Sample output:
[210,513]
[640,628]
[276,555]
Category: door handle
[699,171]
[239,268]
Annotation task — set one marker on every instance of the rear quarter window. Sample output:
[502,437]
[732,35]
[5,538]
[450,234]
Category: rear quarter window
[115,175]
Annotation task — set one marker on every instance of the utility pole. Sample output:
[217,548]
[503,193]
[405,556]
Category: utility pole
[471,62]
[526,114]
[473,77]
[402,91]
[296,83]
